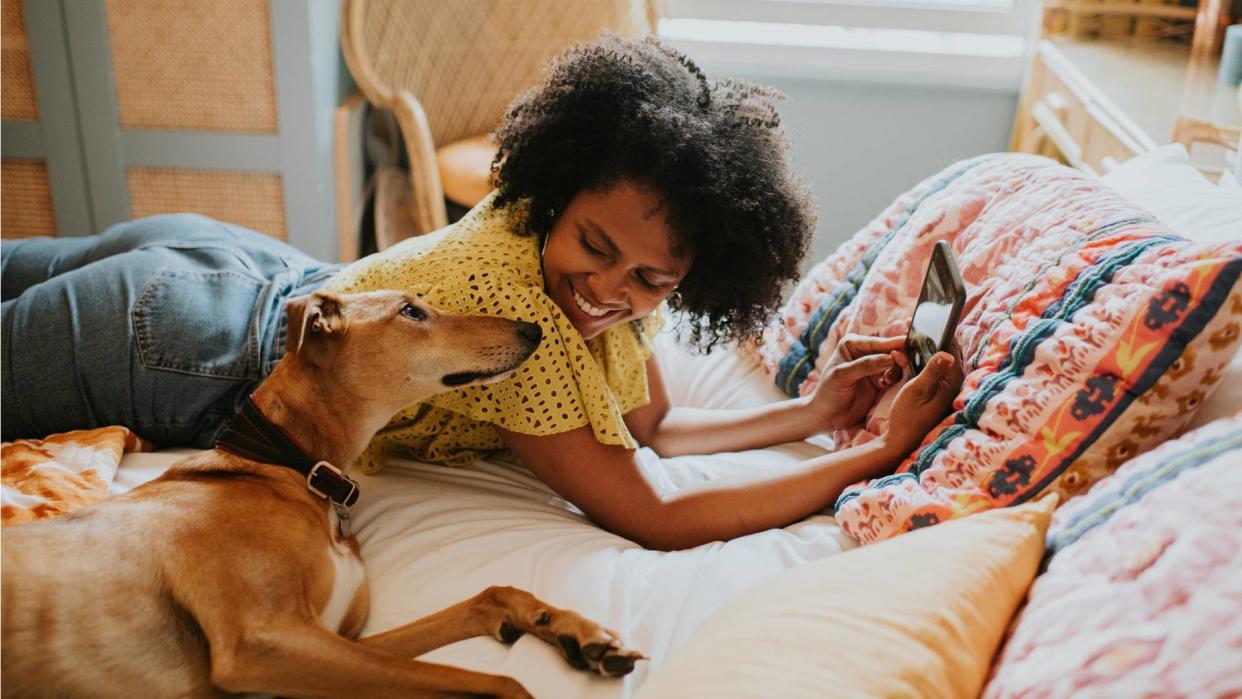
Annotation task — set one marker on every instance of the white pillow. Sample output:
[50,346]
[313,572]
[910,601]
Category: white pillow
[1227,398]
[1164,182]
[1229,183]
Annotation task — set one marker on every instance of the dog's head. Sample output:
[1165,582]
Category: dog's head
[400,350]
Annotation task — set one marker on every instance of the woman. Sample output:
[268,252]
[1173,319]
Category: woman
[626,182]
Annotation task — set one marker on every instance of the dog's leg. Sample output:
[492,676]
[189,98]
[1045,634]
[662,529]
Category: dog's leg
[506,613]
[310,661]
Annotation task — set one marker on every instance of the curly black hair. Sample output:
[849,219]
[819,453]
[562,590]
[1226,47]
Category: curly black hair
[636,110]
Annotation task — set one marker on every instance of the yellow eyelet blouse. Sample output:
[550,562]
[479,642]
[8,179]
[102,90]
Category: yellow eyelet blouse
[481,266]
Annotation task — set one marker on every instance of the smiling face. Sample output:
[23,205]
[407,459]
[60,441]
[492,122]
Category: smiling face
[610,257]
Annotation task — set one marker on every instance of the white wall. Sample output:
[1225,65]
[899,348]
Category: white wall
[859,145]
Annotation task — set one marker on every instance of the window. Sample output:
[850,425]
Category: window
[978,42]
[998,17]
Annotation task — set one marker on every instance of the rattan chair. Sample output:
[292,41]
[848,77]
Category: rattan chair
[448,70]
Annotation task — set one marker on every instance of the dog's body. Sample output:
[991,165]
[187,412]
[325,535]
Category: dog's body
[228,575]
[94,625]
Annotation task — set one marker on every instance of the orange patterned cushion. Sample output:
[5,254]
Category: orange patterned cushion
[45,478]
[1091,334]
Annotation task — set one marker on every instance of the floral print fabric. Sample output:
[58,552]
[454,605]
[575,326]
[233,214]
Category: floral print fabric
[1091,334]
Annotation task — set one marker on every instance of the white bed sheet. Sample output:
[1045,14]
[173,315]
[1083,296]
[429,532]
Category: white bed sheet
[432,536]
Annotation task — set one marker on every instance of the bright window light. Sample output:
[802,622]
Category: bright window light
[927,4]
[847,38]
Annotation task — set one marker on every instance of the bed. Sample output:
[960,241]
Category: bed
[432,536]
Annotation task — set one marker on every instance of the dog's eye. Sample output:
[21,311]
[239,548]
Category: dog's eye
[413,312]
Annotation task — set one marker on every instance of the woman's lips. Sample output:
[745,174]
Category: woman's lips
[589,308]
[585,318]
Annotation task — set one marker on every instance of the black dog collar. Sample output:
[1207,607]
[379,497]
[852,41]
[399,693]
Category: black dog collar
[251,435]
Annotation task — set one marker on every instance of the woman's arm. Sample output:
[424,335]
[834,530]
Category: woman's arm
[852,382]
[678,430]
[608,485]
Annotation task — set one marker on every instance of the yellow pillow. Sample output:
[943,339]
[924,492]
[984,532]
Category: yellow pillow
[920,615]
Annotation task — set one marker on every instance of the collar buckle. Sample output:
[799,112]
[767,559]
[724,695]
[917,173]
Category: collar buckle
[328,482]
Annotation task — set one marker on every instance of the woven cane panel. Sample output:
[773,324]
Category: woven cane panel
[466,60]
[249,199]
[195,65]
[17,95]
[25,199]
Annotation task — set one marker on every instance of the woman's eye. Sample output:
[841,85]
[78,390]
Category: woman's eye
[413,312]
[646,282]
[591,248]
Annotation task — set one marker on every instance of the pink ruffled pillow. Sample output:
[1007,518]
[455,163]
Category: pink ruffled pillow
[1141,594]
[1091,334]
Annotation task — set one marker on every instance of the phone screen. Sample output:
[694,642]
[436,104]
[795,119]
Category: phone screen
[940,304]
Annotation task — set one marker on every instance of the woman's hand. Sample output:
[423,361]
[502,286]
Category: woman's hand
[922,403]
[853,379]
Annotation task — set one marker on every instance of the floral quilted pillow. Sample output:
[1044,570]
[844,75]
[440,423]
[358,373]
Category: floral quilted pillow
[1091,333]
[1140,596]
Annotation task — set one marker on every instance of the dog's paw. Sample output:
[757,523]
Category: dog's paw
[603,656]
[585,644]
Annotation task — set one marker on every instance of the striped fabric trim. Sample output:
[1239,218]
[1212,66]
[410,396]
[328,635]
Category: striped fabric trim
[1191,326]
[799,361]
[797,364]
[881,482]
[1139,485]
[1043,271]
[1189,329]
[1022,352]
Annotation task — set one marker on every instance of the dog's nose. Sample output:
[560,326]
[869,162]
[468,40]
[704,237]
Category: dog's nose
[531,331]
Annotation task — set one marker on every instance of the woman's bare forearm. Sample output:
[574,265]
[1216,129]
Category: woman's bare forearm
[706,431]
[754,502]
[608,484]
[677,430]
[769,498]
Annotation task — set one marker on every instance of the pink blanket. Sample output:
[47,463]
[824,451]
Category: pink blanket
[1143,593]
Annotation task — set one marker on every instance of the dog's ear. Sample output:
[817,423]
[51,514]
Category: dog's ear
[318,314]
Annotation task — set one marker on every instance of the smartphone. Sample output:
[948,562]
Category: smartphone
[939,308]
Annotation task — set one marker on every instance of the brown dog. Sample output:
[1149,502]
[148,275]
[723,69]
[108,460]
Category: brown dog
[230,574]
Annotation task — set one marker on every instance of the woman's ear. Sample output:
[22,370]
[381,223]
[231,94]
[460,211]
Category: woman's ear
[319,314]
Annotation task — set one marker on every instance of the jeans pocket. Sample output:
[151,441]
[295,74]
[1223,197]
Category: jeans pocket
[200,323]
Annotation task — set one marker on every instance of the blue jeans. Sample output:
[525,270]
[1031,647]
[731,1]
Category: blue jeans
[163,325]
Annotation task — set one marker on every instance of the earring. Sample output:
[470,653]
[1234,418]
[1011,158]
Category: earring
[551,217]
[674,298]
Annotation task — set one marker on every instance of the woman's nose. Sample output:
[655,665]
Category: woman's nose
[607,288]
